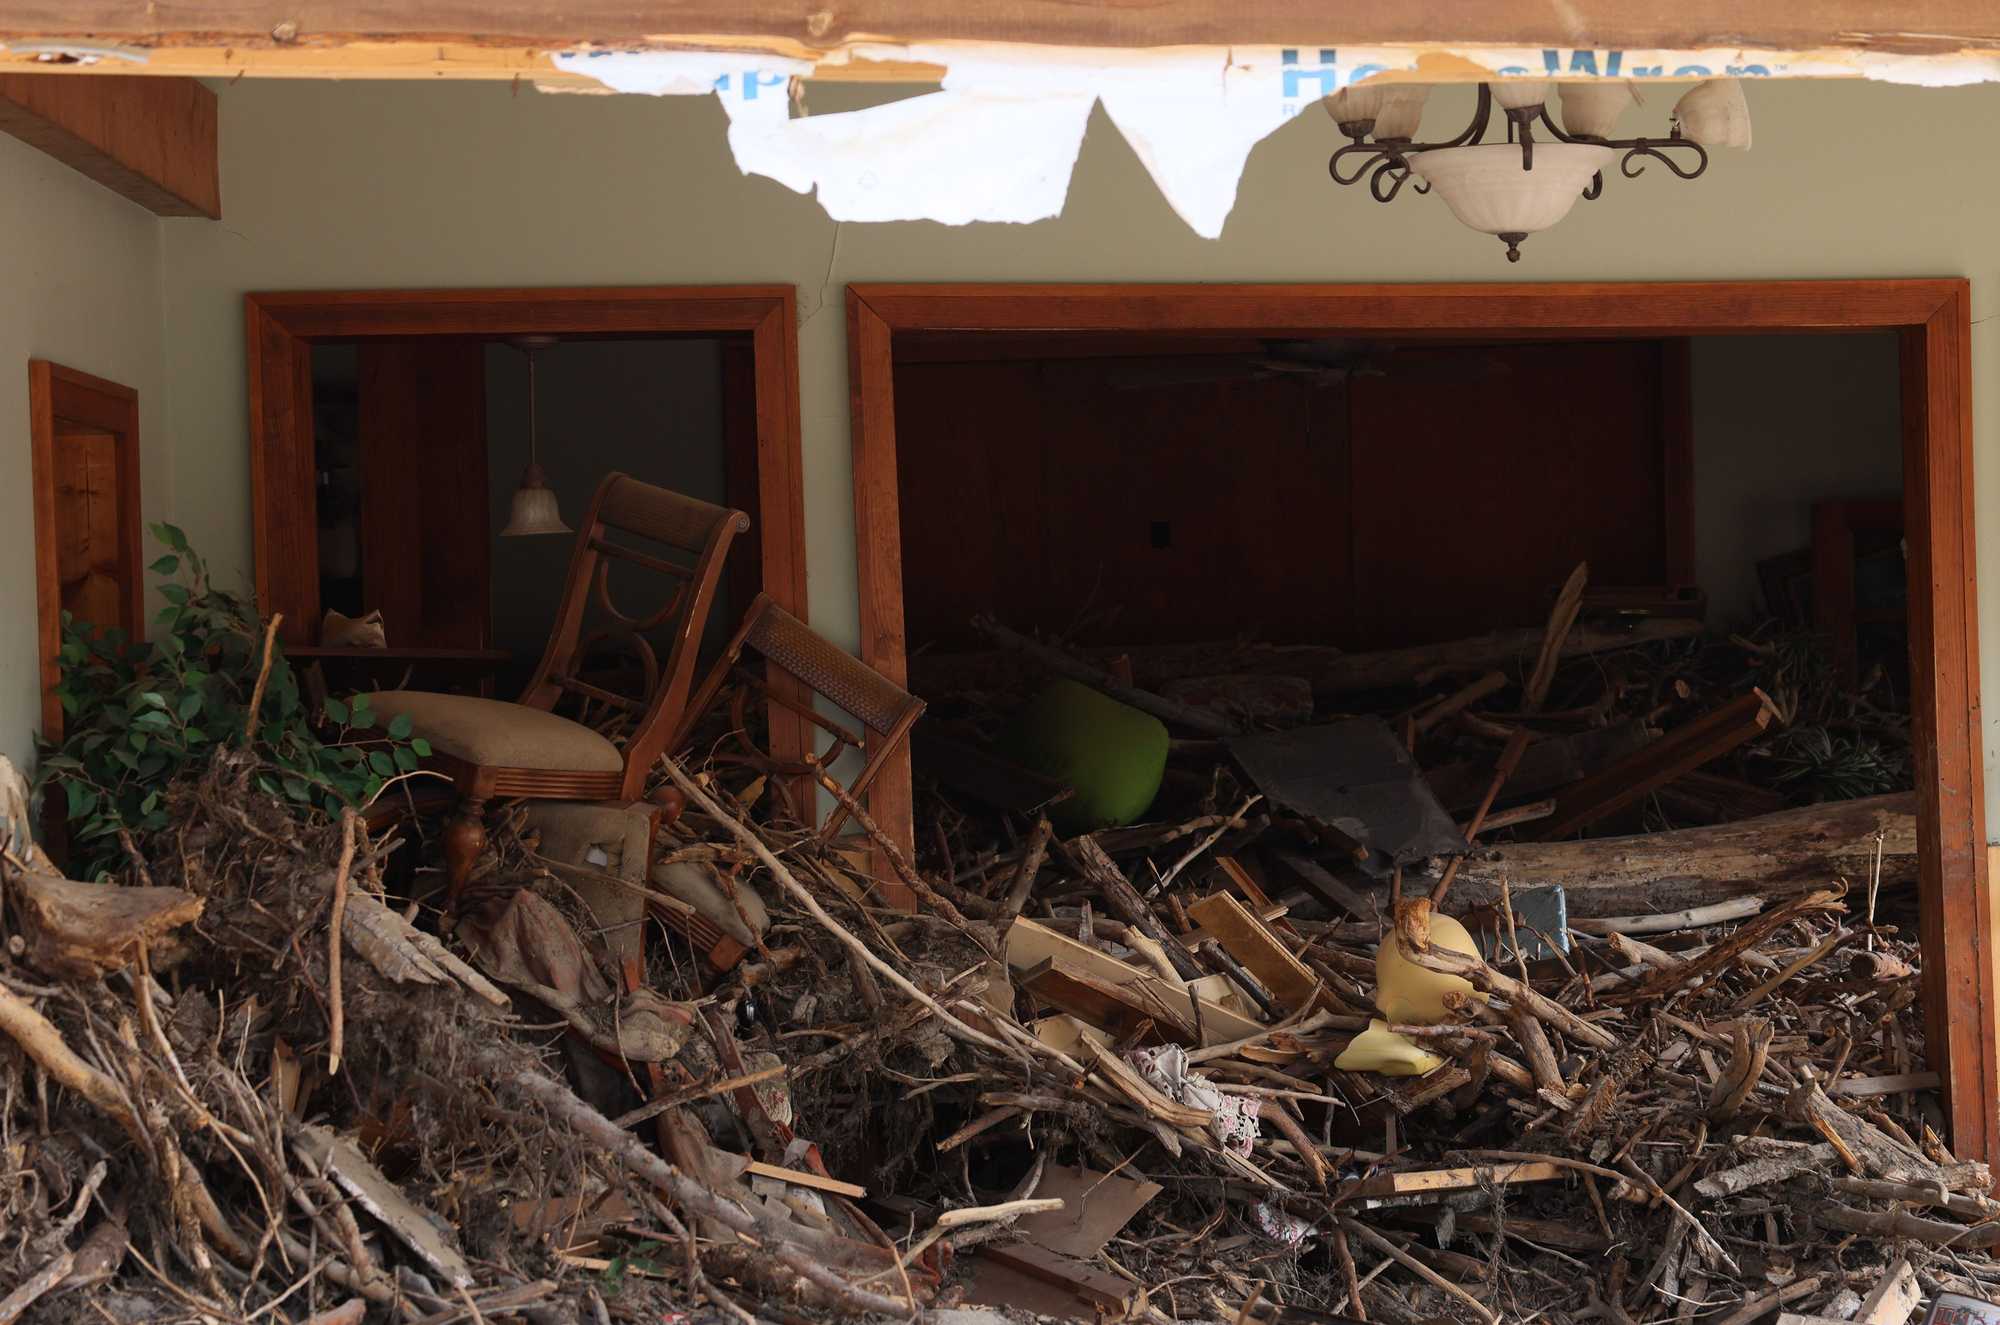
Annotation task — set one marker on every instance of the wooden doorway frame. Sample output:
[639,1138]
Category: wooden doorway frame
[59,396]
[283,327]
[1933,318]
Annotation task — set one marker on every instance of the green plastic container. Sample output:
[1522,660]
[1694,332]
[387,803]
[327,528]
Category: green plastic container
[1111,753]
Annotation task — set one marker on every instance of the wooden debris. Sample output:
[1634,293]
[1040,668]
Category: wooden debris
[80,931]
[1679,751]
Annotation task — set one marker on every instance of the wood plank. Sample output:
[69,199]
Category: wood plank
[1154,1012]
[152,140]
[1244,937]
[1440,1181]
[1940,27]
[802,1178]
[1030,942]
[1681,750]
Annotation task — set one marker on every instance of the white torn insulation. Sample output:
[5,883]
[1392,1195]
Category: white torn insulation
[1000,138]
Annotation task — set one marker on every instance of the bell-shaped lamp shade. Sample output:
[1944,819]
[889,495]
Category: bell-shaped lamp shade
[1520,93]
[534,508]
[1715,114]
[1486,188]
[1402,111]
[1357,105]
[1592,110]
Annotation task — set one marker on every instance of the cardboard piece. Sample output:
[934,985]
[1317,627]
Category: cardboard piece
[1095,1207]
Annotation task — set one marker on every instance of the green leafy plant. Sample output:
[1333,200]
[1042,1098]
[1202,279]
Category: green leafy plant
[139,716]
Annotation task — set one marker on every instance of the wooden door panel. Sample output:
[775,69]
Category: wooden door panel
[90,564]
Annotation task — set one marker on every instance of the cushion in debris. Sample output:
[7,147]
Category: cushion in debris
[1111,754]
[498,734]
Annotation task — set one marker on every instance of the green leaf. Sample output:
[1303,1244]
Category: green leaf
[362,718]
[421,748]
[195,736]
[171,536]
[166,565]
[189,706]
[297,789]
[382,764]
[406,761]
[335,711]
[147,805]
[176,594]
[82,799]
[399,727]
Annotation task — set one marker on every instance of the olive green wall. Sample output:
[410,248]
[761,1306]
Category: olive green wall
[79,284]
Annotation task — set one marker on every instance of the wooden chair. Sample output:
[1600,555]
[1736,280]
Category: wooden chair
[492,748]
[883,708]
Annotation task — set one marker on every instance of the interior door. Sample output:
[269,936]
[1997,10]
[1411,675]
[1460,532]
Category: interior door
[84,440]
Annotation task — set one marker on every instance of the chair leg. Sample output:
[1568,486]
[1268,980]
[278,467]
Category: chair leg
[464,840]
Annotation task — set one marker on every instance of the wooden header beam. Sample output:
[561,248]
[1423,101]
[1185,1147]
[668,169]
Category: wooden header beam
[512,38]
[150,139]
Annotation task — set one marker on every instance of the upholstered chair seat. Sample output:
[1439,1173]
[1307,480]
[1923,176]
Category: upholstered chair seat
[497,734]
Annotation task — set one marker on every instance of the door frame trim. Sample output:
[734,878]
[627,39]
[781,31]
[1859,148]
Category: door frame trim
[1933,318]
[282,327]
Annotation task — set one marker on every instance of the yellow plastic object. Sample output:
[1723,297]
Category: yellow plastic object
[1379,1049]
[1405,992]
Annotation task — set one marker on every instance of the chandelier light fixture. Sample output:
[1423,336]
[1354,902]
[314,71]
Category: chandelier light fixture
[1514,188]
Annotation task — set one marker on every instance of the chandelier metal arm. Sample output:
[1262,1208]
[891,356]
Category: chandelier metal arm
[1383,154]
[1656,148]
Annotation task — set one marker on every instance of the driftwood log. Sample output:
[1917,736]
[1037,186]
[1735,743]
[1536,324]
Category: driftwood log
[1791,851]
[82,931]
[1329,671]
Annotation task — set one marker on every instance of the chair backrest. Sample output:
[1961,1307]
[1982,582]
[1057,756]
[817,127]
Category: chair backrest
[885,709]
[701,533]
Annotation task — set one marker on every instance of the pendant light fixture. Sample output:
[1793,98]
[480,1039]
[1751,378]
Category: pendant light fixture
[534,509]
[1530,180]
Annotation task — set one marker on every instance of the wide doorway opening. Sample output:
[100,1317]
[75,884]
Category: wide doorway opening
[1686,562]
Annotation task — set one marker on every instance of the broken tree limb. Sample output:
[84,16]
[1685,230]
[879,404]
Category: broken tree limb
[1793,851]
[85,930]
[1503,768]
[1204,720]
[1562,616]
[1122,897]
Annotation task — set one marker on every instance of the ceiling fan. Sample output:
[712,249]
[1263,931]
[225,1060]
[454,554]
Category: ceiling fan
[1315,362]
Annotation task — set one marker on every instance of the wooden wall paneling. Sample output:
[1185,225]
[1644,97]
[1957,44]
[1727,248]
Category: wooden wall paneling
[1483,476]
[1676,413]
[426,535]
[149,139]
[83,439]
[1961,982]
[1956,922]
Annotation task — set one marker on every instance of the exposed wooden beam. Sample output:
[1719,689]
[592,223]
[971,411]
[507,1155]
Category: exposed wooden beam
[149,139]
[1915,26]
[489,38]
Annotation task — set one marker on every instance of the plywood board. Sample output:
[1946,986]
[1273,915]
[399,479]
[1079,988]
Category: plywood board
[1244,937]
[1030,943]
